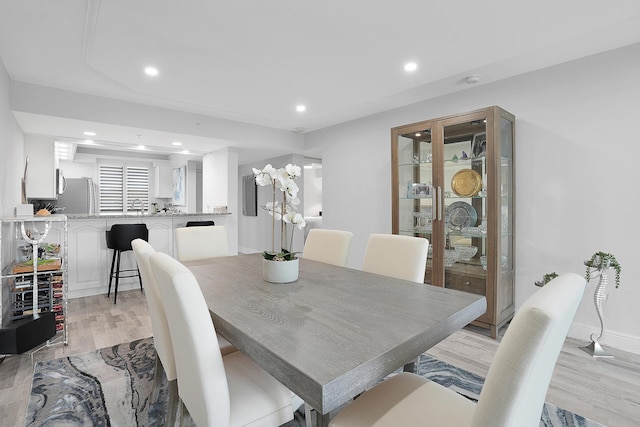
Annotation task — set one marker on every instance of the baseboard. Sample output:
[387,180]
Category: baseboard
[248,251]
[613,339]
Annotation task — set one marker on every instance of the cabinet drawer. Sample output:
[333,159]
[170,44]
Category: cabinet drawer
[475,285]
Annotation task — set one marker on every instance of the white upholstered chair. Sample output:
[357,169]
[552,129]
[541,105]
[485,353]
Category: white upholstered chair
[193,243]
[161,339]
[393,255]
[516,385]
[328,246]
[217,391]
[161,336]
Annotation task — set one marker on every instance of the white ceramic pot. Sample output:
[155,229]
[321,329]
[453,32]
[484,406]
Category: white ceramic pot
[280,271]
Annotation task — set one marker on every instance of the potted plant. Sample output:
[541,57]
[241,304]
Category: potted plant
[600,261]
[281,266]
[546,279]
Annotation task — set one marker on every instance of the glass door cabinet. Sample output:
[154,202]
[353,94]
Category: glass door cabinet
[453,184]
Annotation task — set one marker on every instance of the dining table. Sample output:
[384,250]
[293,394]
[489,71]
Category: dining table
[335,331]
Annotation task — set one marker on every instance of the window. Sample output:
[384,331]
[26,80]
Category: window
[121,185]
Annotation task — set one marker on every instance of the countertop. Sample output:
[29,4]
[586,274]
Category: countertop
[146,215]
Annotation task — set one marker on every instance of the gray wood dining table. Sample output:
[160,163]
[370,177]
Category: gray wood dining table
[333,333]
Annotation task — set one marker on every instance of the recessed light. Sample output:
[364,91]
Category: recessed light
[89,133]
[301,108]
[151,71]
[471,80]
[177,143]
[141,147]
[410,66]
[185,151]
[88,141]
[418,134]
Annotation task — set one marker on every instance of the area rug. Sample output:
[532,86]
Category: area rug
[111,387]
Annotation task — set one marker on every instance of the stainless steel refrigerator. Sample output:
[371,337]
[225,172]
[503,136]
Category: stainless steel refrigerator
[79,197]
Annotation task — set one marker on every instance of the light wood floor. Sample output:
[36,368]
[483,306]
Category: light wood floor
[604,390]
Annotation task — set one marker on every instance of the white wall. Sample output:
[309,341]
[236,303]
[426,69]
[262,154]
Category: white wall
[11,169]
[576,152]
[12,148]
[220,188]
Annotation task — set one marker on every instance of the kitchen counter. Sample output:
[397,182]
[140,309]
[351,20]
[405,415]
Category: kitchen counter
[90,259]
[145,215]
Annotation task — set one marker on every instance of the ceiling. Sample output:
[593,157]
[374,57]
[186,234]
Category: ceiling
[255,61]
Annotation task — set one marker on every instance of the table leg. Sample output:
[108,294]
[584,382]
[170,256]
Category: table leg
[314,418]
[411,366]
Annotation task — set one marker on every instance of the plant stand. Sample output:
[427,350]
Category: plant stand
[599,297]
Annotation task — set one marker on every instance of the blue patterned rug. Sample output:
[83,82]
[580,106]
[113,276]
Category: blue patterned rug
[111,387]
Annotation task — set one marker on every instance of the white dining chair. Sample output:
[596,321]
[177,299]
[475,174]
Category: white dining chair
[194,243]
[161,337]
[516,385]
[216,391]
[394,255]
[328,246]
[160,328]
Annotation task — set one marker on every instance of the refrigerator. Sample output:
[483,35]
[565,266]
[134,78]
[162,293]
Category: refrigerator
[79,197]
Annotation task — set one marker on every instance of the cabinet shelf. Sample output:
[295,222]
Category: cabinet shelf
[40,288]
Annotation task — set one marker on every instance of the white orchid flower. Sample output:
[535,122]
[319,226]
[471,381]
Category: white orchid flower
[282,178]
[274,209]
[265,176]
[299,221]
[289,217]
[291,188]
[293,171]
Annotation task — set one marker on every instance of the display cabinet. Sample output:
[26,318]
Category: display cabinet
[453,184]
[34,277]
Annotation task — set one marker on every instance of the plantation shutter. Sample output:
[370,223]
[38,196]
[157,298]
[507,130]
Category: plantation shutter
[138,186]
[111,189]
[121,185]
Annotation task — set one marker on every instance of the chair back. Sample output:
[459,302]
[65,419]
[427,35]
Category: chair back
[393,255]
[518,379]
[328,246]
[199,223]
[202,382]
[120,236]
[159,325]
[193,243]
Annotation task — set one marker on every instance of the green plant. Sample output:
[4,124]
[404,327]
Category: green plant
[600,261]
[547,278]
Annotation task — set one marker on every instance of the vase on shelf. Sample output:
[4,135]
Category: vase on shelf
[280,271]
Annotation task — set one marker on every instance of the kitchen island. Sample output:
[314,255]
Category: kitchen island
[90,260]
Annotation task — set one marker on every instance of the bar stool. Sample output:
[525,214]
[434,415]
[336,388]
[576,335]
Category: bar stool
[200,223]
[119,239]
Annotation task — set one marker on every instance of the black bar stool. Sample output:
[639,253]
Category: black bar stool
[200,223]
[119,239]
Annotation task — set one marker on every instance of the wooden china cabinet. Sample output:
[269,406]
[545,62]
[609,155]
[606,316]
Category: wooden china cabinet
[453,183]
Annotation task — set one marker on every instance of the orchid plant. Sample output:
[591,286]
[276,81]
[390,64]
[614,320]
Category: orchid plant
[282,179]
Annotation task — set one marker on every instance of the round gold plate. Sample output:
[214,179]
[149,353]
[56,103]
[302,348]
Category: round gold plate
[466,183]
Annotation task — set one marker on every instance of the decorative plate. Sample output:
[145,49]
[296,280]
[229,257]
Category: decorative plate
[459,215]
[466,183]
